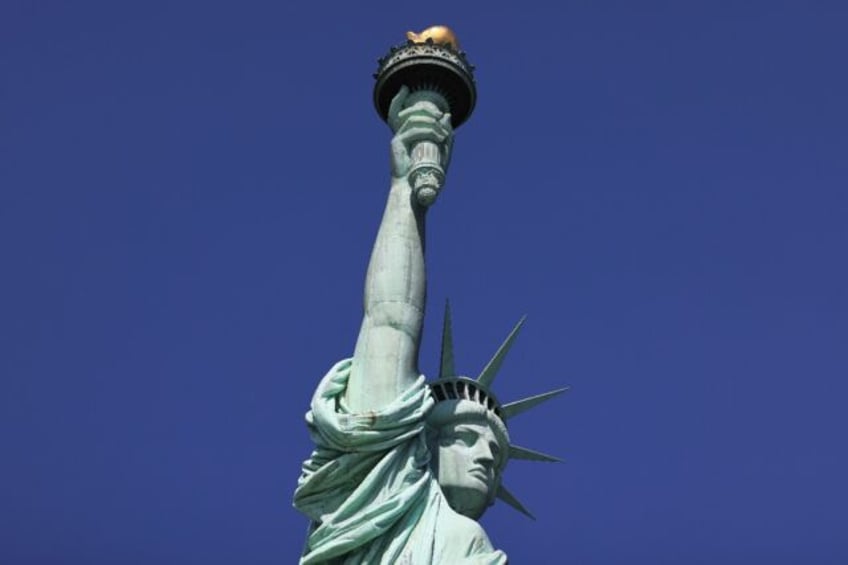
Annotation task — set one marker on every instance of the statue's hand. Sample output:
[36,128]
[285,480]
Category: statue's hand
[422,121]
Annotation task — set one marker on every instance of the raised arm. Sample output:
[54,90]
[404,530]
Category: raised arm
[385,361]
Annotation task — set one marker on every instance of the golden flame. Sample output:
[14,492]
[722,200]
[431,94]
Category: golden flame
[441,35]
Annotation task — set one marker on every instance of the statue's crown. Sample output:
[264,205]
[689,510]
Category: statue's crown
[457,397]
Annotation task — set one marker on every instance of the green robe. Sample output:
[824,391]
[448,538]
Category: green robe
[369,491]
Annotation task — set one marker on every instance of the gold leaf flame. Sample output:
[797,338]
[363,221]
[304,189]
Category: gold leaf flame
[441,35]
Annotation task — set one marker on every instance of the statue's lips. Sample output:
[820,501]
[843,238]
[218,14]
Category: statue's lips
[480,473]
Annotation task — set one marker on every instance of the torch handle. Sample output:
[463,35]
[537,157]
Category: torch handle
[426,174]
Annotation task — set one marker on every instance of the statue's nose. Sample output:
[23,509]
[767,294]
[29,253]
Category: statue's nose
[484,454]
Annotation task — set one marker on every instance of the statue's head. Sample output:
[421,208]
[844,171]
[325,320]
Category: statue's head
[469,445]
[467,433]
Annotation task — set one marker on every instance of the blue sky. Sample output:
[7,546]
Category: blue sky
[188,196]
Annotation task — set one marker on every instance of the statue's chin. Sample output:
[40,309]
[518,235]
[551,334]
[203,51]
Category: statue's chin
[469,502]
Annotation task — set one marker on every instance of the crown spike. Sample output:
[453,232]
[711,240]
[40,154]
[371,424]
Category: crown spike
[518,452]
[490,371]
[510,499]
[515,408]
[446,369]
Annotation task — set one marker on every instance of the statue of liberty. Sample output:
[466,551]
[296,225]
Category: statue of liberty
[402,468]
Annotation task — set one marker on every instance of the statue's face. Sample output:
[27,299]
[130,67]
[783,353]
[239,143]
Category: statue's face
[467,463]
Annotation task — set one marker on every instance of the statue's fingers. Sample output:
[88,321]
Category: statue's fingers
[444,125]
[445,120]
[421,107]
[396,106]
[415,134]
[444,132]
[418,121]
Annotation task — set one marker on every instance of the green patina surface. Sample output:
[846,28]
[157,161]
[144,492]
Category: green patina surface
[402,470]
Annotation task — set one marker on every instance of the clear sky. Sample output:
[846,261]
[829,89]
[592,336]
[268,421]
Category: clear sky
[188,196]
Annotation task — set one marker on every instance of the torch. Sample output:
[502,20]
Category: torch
[435,70]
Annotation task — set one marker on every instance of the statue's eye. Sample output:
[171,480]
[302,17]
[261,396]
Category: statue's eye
[468,438]
[495,448]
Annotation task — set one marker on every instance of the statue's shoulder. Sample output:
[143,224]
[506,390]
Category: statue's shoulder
[463,527]
[459,536]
